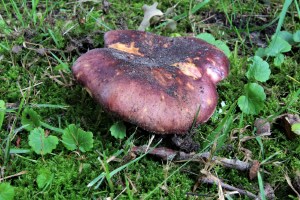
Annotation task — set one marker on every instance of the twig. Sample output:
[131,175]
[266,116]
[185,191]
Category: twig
[169,154]
[14,175]
[209,180]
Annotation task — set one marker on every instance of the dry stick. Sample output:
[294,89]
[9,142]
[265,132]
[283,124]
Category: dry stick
[228,187]
[14,175]
[172,155]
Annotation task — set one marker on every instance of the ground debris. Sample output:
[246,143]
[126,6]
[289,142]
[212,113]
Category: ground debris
[172,155]
[262,126]
[286,121]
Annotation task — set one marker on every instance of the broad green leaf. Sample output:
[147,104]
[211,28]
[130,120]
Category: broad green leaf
[253,100]
[218,43]
[76,138]
[296,36]
[277,45]
[296,128]
[278,60]
[2,112]
[118,130]
[31,119]
[258,69]
[41,143]
[7,191]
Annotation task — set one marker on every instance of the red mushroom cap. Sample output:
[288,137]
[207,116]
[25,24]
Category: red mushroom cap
[155,82]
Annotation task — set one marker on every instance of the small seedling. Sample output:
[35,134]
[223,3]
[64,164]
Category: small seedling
[76,138]
[118,130]
[218,43]
[40,142]
[253,100]
[7,192]
[258,69]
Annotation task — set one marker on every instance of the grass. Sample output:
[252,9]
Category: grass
[40,40]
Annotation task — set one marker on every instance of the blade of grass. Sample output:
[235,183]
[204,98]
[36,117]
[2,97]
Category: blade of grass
[64,65]
[11,133]
[297,7]
[217,133]
[53,38]
[34,4]
[270,157]
[19,151]
[2,112]
[52,128]
[6,10]
[17,12]
[48,106]
[282,14]
[261,187]
[102,175]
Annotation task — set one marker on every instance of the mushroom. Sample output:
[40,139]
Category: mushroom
[158,83]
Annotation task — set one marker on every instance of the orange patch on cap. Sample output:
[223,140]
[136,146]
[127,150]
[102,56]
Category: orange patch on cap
[189,69]
[126,48]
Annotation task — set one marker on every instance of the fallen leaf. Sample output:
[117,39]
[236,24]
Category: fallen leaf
[286,122]
[149,12]
[16,49]
[262,126]
[254,169]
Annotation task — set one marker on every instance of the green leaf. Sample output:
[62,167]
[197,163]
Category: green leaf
[253,100]
[287,36]
[296,128]
[7,192]
[277,46]
[76,138]
[40,143]
[278,60]
[206,37]
[218,43]
[118,130]
[2,112]
[260,52]
[30,119]
[44,178]
[296,36]
[259,69]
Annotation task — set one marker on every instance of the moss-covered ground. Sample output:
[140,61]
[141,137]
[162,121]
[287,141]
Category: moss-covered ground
[40,40]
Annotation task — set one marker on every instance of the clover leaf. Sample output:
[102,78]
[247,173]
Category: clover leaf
[30,119]
[118,130]
[218,43]
[259,69]
[40,143]
[253,100]
[76,138]
[7,192]
[2,112]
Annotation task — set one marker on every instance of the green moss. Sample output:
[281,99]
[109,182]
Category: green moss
[78,27]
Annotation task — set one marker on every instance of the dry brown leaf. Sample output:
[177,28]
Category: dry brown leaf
[149,12]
